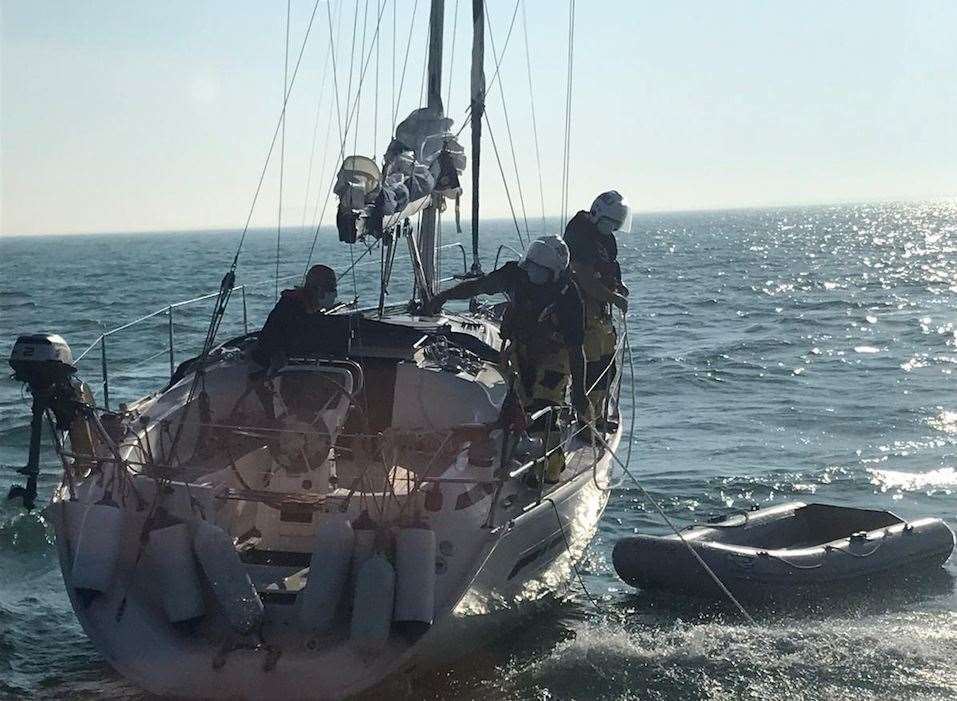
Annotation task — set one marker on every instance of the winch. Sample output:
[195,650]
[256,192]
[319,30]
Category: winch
[45,363]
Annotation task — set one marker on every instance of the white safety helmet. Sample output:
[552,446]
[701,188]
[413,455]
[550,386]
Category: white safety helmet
[611,213]
[548,252]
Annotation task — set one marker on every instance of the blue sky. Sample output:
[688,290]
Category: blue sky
[127,116]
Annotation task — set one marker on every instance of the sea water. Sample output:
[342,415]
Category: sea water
[780,354]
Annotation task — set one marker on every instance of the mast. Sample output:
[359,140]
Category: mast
[434,104]
[478,109]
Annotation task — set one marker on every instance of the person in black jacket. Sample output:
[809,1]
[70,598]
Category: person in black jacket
[299,325]
[544,328]
[590,237]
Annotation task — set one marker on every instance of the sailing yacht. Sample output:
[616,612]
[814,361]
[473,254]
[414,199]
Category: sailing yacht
[347,519]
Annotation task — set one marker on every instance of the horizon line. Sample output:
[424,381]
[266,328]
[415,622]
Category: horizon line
[635,214]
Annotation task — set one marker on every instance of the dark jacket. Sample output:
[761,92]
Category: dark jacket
[544,317]
[295,331]
[587,245]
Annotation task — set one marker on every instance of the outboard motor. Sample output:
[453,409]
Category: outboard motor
[45,363]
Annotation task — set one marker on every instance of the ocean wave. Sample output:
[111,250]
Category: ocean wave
[834,658]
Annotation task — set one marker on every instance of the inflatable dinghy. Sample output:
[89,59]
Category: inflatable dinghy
[785,547]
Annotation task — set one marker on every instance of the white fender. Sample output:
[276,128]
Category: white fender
[98,532]
[362,550]
[415,576]
[372,605]
[172,566]
[328,571]
[230,583]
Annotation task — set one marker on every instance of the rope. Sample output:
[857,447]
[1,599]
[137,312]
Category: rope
[568,108]
[596,436]
[282,145]
[675,530]
[531,94]
[861,555]
[568,548]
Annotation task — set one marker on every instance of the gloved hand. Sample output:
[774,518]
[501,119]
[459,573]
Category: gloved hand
[621,302]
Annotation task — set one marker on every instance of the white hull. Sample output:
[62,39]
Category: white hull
[526,558]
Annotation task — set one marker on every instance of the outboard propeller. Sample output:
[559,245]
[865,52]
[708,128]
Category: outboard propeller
[45,363]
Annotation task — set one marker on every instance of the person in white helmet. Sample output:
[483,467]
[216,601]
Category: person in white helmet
[590,237]
[544,328]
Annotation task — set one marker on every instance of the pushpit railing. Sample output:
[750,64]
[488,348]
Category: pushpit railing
[168,310]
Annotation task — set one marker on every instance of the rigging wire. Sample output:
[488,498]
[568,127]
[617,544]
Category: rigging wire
[335,69]
[315,135]
[425,64]
[352,58]
[282,145]
[322,170]
[394,28]
[229,280]
[508,194]
[362,51]
[455,29]
[531,95]
[508,125]
[566,155]
[375,101]
[272,144]
[342,143]
[491,83]
[405,63]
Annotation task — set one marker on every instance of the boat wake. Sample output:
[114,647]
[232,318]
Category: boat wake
[829,658]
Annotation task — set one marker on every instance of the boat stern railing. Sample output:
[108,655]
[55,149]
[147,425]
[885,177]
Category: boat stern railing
[102,342]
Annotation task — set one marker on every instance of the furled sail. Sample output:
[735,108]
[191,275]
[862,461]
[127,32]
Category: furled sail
[423,158]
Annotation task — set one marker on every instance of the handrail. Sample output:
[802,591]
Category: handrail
[458,244]
[168,310]
[499,252]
